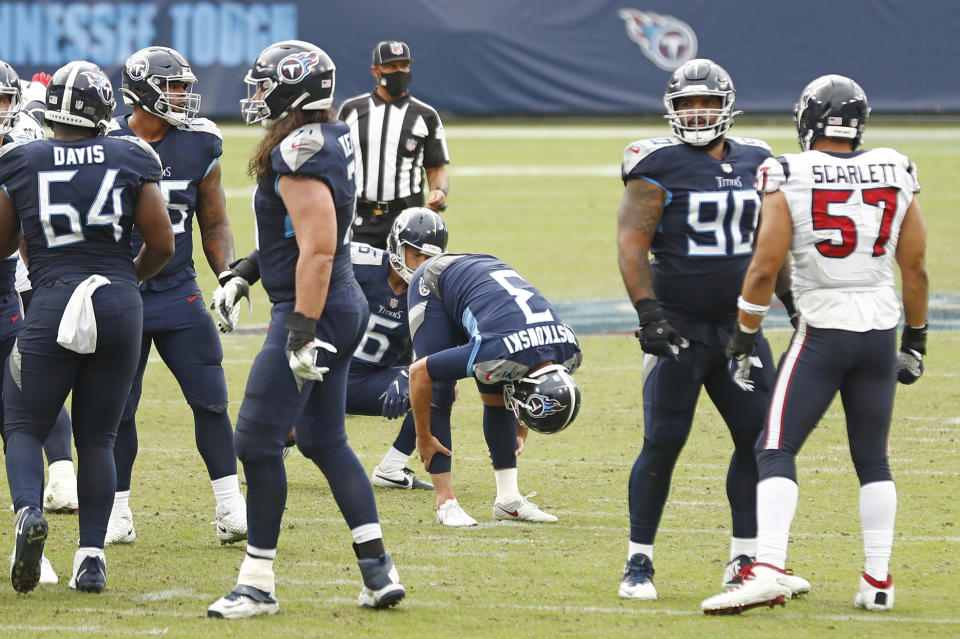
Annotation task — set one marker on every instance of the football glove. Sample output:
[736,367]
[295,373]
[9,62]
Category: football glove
[739,351]
[396,399]
[788,304]
[656,336]
[913,346]
[305,353]
[226,300]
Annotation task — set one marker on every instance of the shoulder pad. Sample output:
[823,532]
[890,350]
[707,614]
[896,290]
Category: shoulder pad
[10,146]
[203,125]
[301,145]
[640,149]
[113,126]
[143,145]
[751,142]
[365,255]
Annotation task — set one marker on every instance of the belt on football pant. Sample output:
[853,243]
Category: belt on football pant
[381,208]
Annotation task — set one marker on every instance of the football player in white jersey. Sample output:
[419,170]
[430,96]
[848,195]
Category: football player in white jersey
[846,216]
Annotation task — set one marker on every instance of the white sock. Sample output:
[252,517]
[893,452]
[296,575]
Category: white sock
[776,505]
[84,552]
[743,546]
[393,462]
[633,548]
[121,499]
[257,569]
[226,490]
[878,510]
[507,487]
[366,532]
[62,471]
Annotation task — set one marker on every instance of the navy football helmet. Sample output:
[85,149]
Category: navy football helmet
[145,80]
[546,401]
[419,228]
[288,75]
[9,86]
[80,94]
[700,77]
[832,106]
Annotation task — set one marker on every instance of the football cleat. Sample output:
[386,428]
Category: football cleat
[732,569]
[60,494]
[231,523]
[521,510]
[401,479]
[731,577]
[637,581]
[874,595]
[120,527]
[48,576]
[381,583]
[244,601]
[31,532]
[759,585]
[89,573]
[451,514]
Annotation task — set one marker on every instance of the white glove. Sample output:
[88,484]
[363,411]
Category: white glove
[226,302]
[303,361]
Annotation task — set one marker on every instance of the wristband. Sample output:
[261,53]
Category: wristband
[750,308]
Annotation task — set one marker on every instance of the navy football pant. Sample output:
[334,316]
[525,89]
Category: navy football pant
[670,393]
[99,381]
[365,388]
[272,405]
[819,363]
[178,324]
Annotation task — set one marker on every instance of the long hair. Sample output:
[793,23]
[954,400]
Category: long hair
[260,159]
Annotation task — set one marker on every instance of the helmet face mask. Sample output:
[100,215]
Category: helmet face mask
[147,77]
[832,106]
[700,77]
[10,87]
[547,401]
[288,75]
[420,229]
[80,94]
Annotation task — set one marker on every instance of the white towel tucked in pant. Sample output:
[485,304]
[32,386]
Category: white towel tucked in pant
[78,326]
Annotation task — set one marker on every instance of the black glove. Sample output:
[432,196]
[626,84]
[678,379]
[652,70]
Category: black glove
[787,300]
[656,336]
[913,346]
[740,350]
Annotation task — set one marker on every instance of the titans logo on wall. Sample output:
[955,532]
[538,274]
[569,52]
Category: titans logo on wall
[665,40]
[295,66]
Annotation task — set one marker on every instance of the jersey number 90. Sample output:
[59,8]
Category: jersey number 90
[717,214]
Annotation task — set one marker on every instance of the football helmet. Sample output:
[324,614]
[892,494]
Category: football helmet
[9,86]
[832,106]
[546,401]
[80,94]
[419,228]
[145,80]
[700,77]
[288,75]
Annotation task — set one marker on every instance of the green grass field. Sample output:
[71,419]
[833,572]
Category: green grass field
[544,199]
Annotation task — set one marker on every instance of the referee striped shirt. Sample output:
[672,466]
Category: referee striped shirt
[396,141]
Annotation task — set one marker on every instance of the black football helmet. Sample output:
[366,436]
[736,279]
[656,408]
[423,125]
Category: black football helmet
[700,77]
[419,228]
[145,81]
[832,106]
[288,75]
[9,86]
[547,401]
[80,94]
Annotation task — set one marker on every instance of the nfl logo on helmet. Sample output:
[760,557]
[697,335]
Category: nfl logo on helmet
[665,40]
[295,66]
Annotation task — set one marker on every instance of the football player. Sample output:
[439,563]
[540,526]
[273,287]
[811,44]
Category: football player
[158,83]
[689,201]
[74,200]
[379,379]
[304,206]
[846,339]
[474,316]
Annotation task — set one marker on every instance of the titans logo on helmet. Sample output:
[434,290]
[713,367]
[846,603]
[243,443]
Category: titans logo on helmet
[137,68]
[665,40]
[541,406]
[296,66]
[101,84]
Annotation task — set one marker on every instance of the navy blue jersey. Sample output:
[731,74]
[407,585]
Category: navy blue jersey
[386,342]
[8,275]
[704,243]
[322,152]
[187,152]
[75,201]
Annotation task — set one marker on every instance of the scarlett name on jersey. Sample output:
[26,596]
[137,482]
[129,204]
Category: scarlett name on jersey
[539,336]
[884,172]
[66,156]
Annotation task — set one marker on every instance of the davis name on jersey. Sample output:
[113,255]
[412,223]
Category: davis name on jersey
[187,153]
[847,209]
[704,242]
[386,342]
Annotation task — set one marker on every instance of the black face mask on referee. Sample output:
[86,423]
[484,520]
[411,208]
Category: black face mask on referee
[396,83]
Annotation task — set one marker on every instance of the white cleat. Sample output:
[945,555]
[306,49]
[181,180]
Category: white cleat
[451,514]
[244,601]
[120,527]
[731,577]
[231,523]
[874,595]
[522,510]
[60,494]
[403,478]
[637,581]
[381,583]
[48,576]
[760,585]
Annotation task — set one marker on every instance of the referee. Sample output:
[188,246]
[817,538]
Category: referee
[396,137]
